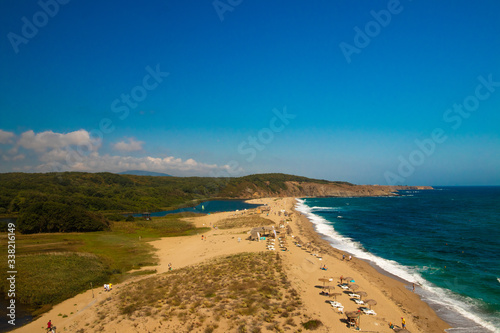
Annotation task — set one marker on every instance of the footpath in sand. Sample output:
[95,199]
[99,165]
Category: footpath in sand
[302,268]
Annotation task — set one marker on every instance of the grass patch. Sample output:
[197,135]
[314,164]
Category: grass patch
[58,266]
[312,324]
[171,225]
[243,290]
[251,221]
[44,276]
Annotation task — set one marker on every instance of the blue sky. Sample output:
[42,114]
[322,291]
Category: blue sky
[341,90]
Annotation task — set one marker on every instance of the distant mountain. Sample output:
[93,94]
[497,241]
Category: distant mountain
[144,173]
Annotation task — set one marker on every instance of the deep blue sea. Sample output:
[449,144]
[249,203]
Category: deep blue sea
[446,241]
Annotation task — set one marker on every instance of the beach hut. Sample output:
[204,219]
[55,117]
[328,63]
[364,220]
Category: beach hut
[254,235]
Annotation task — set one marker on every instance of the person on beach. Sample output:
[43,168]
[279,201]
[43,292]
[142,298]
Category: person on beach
[403,322]
[414,287]
[49,325]
[343,257]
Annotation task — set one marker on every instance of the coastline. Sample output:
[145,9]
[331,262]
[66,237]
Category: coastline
[302,270]
[396,288]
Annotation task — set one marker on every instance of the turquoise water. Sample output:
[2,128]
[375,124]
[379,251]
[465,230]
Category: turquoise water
[446,240]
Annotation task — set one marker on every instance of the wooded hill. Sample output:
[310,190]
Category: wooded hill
[89,199]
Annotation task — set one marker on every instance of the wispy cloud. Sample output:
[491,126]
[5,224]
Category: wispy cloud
[131,145]
[14,158]
[6,137]
[75,151]
[95,162]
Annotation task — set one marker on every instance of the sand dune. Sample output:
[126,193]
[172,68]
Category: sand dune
[302,268]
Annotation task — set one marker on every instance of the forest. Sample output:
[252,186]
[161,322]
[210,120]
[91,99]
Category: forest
[77,201]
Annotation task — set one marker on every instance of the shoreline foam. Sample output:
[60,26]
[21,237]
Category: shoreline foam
[461,319]
[302,269]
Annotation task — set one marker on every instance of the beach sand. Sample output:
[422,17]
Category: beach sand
[394,298]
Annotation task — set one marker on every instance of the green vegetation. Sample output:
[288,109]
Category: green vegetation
[312,324]
[245,291]
[58,217]
[62,274]
[244,221]
[57,266]
[75,201]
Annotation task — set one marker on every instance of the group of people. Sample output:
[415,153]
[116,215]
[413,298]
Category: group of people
[108,286]
[403,323]
[324,268]
[343,257]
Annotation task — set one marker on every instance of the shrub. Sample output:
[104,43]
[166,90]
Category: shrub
[312,324]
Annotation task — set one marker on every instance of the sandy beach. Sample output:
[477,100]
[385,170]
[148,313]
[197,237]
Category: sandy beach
[302,268]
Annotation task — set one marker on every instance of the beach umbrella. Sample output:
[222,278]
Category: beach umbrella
[335,295]
[353,287]
[329,288]
[348,278]
[324,280]
[362,294]
[352,314]
[371,302]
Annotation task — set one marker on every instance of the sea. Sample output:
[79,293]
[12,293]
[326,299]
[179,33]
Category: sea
[446,241]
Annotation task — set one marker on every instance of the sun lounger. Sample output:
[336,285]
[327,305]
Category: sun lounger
[353,295]
[368,311]
[358,301]
[344,286]
[336,304]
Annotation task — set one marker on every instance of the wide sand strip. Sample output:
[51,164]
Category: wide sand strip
[394,300]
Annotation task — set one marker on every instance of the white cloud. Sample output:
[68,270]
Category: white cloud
[14,158]
[5,137]
[131,145]
[49,140]
[53,152]
[95,163]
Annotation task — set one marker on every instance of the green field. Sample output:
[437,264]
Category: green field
[53,267]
